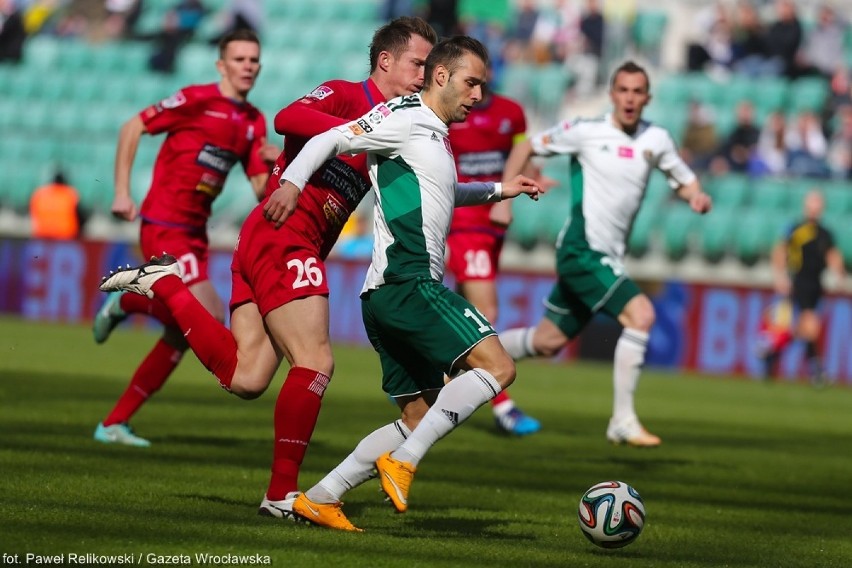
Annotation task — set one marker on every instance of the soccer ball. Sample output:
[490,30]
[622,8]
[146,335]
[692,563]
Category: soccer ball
[611,514]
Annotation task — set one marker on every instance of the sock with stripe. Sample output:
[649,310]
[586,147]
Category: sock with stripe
[455,403]
[149,377]
[296,412]
[628,361]
[358,466]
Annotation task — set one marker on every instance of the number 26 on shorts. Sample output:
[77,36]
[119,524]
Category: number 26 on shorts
[307,272]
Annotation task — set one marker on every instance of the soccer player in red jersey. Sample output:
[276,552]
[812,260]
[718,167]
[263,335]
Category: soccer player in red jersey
[480,146]
[279,296]
[209,129]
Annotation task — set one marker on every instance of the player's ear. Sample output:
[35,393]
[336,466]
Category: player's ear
[440,75]
[384,60]
[220,66]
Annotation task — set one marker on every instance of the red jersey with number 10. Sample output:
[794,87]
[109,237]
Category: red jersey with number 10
[207,134]
[336,189]
[481,145]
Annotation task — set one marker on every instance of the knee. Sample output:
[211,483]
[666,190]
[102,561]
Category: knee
[503,370]
[247,389]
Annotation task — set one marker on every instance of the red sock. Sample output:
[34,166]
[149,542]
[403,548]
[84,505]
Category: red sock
[151,374]
[212,342]
[138,304]
[296,412]
[503,396]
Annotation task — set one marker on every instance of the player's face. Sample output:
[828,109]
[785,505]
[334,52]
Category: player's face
[629,94]
[239,67]
[405,73]
[463,89]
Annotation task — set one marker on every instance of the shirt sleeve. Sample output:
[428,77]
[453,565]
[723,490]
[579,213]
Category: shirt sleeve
[560,139]
[253,164]
[170,112]
[380,131]
[314,113]
[673,166]
[477,192]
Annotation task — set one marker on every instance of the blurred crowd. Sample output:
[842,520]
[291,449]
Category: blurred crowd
[736,42]
[752,39]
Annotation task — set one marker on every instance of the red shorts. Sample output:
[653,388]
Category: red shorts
[189,246]
[474,255]
[272,267]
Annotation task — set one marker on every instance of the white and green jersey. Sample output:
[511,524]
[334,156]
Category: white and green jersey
[609,174]
[413,173]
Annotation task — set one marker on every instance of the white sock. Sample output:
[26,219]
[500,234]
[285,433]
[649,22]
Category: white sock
[518,342]
[358,466]
[629,358]
[455,403]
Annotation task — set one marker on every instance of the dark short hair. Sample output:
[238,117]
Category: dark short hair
[449,52]
[241,34]
[630,67]
[394,36]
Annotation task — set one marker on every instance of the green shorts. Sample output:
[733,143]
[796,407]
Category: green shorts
[420,329]
[588,282]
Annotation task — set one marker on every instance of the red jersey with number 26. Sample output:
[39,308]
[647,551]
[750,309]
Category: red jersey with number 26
[207,134]
[481,145]
[336,189]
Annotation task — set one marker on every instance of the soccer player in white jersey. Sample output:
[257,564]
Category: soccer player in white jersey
[420,329]
[612,159]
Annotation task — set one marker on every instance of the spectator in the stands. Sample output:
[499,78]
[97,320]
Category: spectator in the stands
[700,140]
[806,147]
[519,35]
[770,155]
[823,44]
[840,146]
[12,33]
[784,37]
[749,44]
[738,147]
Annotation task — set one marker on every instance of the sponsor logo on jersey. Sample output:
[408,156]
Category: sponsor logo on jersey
[173,101]
[250,132]
[356,130]
[210,184]
[335,212]
[378,114]
[505,126]
[216,114]
[217,159]
[475,164]
[345,180]
[447,146]
[625,152]
[364,124]
[320,93]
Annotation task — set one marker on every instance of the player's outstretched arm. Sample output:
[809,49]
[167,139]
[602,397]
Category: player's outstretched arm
[131,132]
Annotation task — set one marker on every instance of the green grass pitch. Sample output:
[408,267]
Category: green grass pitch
[749,474]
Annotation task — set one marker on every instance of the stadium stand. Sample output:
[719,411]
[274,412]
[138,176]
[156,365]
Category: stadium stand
[71,119]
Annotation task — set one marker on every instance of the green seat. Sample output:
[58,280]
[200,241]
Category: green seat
[648,32]
[756,232]
[76,55]
[738,89]
[644,223]
[838,197]
[658,192]
[716,232]
[517,82]
[770,194]
[527,220]
[772,95]
[362,11]
[843,241]
[41,52]
[728,190]
[679,222]
[808,94]
[557,211]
